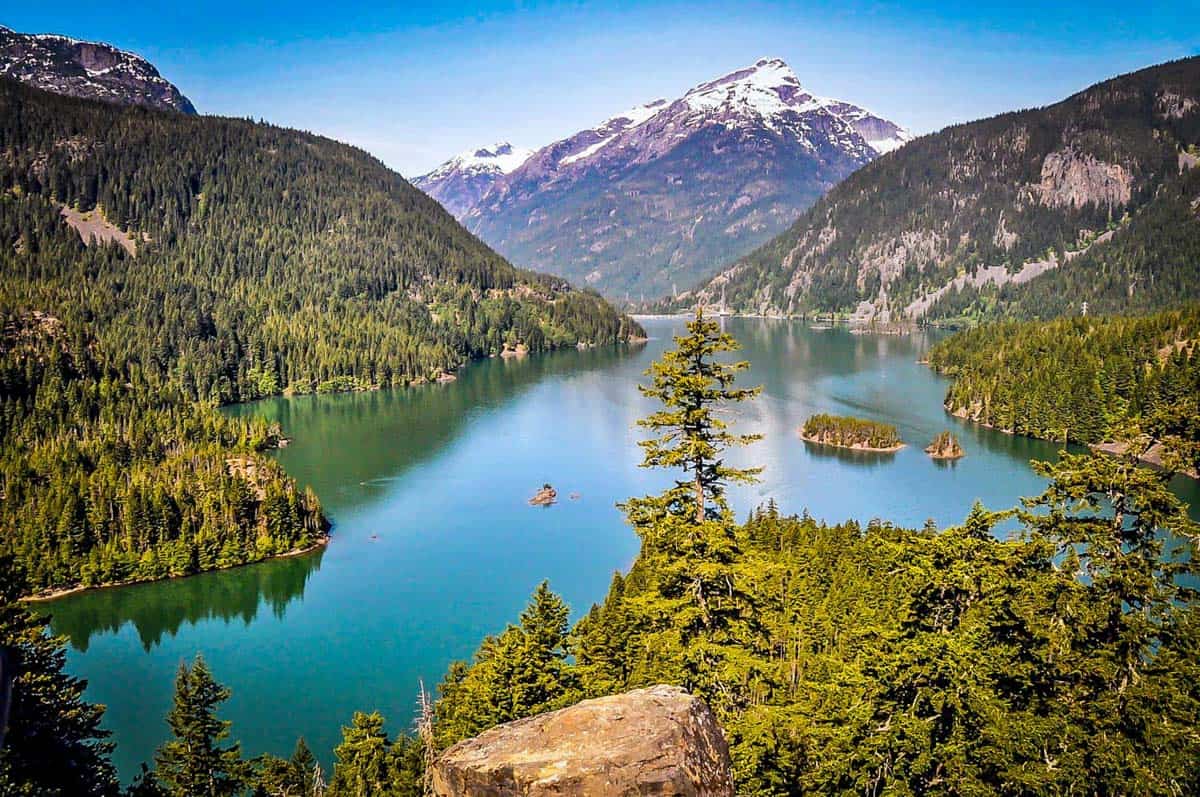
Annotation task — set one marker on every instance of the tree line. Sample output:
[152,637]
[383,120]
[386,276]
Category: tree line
[850,432]
[1082,379]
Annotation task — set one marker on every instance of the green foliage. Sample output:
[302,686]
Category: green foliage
[54,744]
[294,777]
[370,764]
[521,672]
[193,763]
[691,384]
[1082,379]
[848,432]
[109,478]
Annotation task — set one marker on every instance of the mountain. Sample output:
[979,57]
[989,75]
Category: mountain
[663,194]
[1086,205]
[92,70]
[155,264]
[459,183]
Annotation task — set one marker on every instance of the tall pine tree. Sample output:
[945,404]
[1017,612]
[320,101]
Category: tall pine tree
[698,607]
[194,764]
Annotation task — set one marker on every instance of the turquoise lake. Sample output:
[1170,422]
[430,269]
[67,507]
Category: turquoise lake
[434,544]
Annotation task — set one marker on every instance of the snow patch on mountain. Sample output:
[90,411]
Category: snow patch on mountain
[501,158]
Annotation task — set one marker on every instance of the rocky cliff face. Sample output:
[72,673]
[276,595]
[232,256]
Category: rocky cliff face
[654,198]
[995,211]
[92,70]
[658,741]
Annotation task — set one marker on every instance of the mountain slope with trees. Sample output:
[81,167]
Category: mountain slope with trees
[1083,380]
[1031,213]
[261,260]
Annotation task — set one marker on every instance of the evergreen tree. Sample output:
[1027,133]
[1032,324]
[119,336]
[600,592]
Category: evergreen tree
[54,744]
[293,777]
[689,539]
[364,766]
[193,763]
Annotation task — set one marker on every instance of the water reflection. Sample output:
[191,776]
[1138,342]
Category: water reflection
[417,422]
[163,607]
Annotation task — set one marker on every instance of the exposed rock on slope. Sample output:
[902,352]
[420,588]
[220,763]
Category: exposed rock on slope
[658,196]
[659,741]
[92,70]
[1033,212]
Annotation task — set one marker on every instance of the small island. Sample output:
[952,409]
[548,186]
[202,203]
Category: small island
[945,446]
[858,434]
[544,497]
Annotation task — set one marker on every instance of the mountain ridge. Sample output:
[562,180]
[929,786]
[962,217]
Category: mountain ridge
[87,69]
[638,202]
[1031,212]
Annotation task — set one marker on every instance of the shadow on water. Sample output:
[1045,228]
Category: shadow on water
[163,607]
[853,456]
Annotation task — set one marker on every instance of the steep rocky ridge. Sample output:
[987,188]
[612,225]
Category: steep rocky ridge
[1031,213]
[652,199]
[91,70]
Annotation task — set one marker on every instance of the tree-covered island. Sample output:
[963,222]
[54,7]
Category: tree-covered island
[858,434]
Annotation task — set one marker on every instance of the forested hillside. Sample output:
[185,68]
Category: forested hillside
[241,260]
[1029,214]
[1082,380]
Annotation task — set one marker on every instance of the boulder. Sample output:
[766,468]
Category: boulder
[659,740]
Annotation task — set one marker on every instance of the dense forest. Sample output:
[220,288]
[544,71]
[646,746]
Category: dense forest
[108,477]
[849,432]
[1059,658]
[881,660]
[227,260]
[1021,187]
[1082,380]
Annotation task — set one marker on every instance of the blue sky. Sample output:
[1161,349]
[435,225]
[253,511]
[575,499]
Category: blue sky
[417,82]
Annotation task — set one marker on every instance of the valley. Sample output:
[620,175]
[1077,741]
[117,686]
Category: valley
[316,481]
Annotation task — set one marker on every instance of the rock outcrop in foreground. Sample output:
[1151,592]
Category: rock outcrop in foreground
[659,741]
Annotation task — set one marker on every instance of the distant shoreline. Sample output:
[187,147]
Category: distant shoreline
[62,592]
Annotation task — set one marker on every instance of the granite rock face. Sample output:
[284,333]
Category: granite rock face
[90,70]
[659,740]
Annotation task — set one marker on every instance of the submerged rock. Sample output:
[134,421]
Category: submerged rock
[659,741]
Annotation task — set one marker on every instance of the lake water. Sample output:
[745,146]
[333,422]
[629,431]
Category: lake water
[435,546]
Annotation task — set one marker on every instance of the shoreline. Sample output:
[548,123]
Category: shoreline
[1151,458]
[854,447]
[62,592]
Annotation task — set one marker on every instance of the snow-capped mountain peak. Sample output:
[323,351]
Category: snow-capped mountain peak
[665,192]
[770,91]
[461,181]
[499,158]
